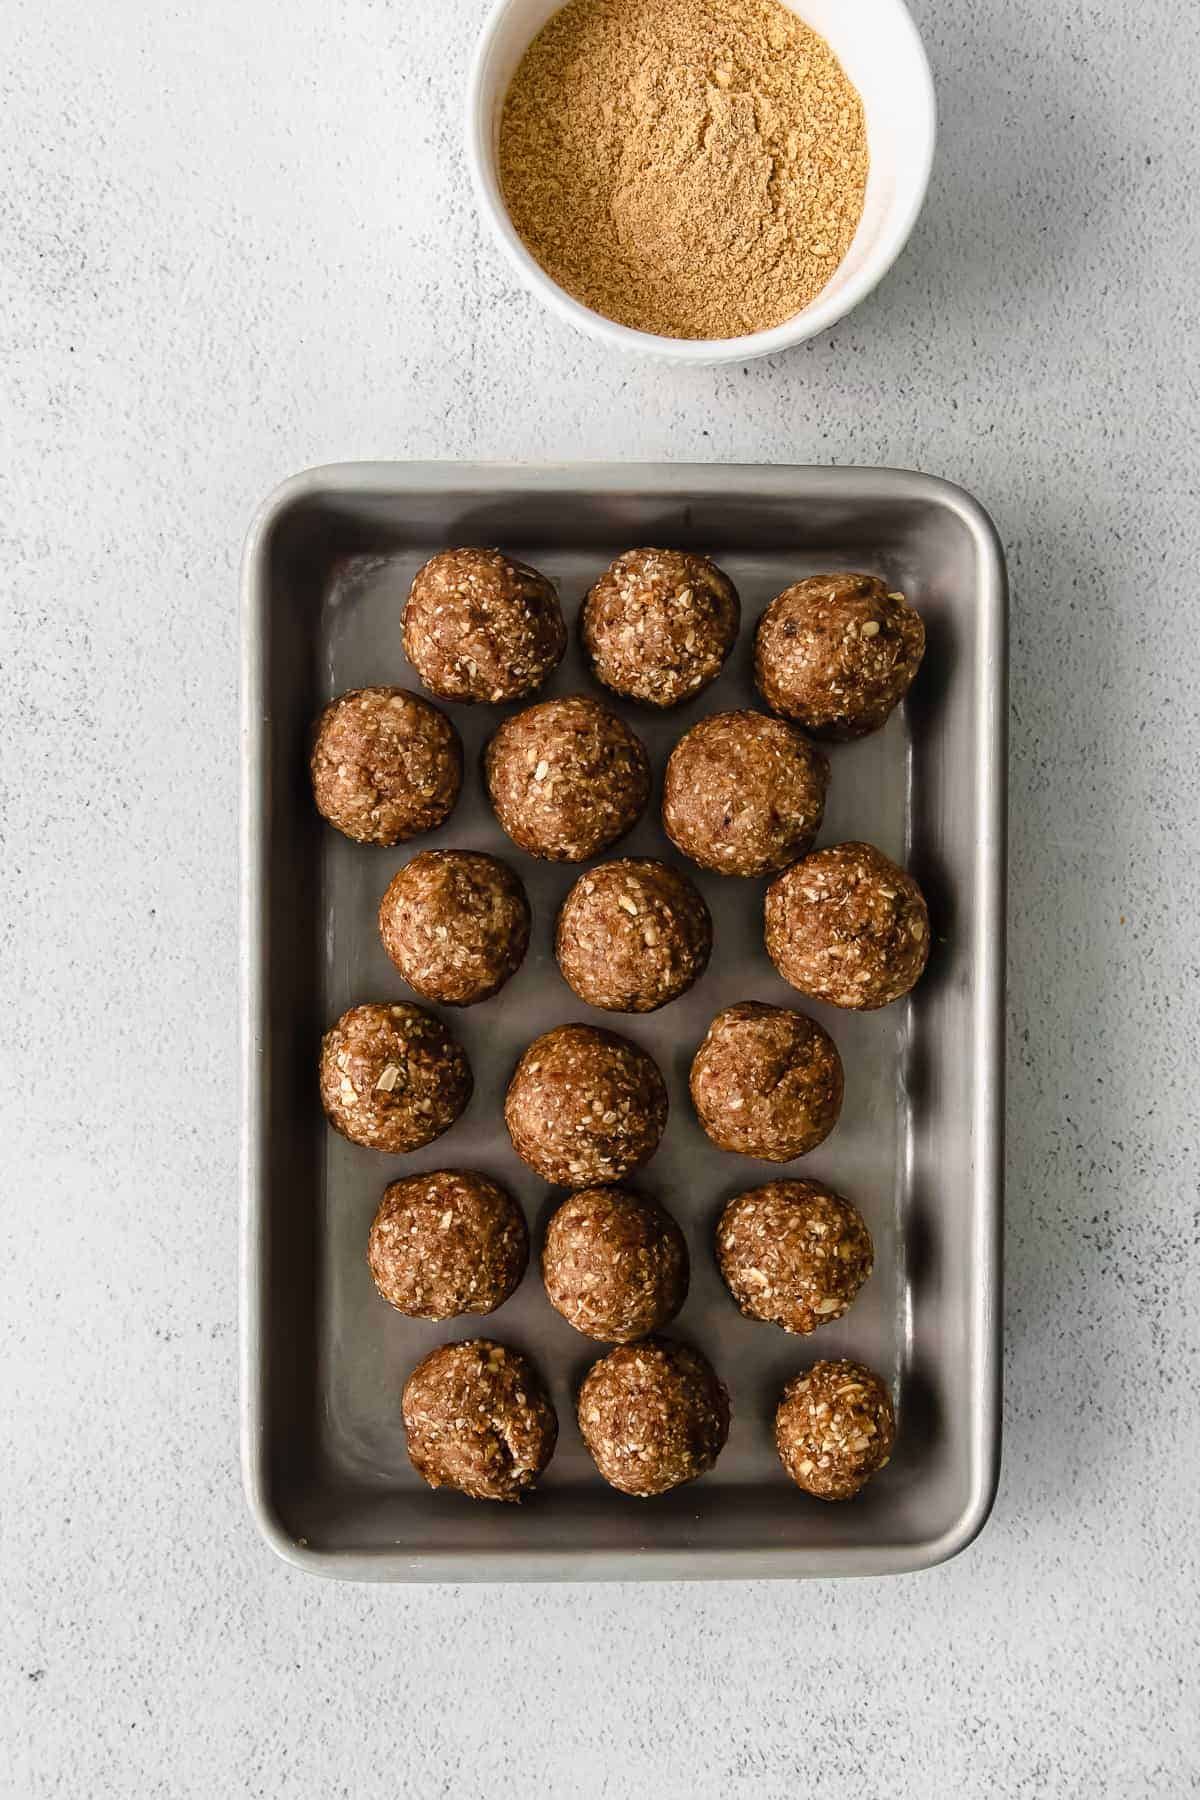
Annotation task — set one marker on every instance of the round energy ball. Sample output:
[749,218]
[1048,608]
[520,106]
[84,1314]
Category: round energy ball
[385,765]
[659,624]
[479,626]
[847,926]
[766,1082]
[633,935]
[567,778]
[744,794]
[835,1428]
[615,1264]
[446,1244]
[392,1077]
[793,1253]
[585,1107]
[837,653]
[653,1415]
[479,1420]
[456,925]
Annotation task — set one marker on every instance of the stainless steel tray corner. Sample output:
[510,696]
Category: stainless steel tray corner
[920,1145]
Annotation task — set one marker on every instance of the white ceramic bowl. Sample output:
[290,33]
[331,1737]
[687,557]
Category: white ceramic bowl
[880,50]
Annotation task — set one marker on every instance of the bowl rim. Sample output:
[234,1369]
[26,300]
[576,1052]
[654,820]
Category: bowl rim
[818,316]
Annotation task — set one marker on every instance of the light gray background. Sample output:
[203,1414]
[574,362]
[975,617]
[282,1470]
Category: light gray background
[236,238]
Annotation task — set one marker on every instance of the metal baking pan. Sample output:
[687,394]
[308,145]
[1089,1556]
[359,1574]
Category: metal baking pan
[919,1146]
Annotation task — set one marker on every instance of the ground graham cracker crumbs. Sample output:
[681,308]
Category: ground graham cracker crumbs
[694,168]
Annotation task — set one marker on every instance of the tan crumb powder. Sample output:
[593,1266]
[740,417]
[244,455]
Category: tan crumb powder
[693,168]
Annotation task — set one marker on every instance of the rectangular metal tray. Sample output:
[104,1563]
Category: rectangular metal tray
[327,567]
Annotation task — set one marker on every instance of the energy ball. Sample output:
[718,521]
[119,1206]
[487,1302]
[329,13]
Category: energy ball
[615,1265]
[385,765]
[392,1077]
[447,1244]
[633,935]
[793,1253]
[835,1428]
[659,624]
[766,1082]
[744,794]
[847,926]
[479,626]
[456,925]
[585,1107]
[837,653]
[567,778]
[479,1420]
[653,1416]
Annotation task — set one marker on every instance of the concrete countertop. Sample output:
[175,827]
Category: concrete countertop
[235,240]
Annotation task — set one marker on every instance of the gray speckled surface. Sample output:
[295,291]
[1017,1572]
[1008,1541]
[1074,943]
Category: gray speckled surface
[235,240]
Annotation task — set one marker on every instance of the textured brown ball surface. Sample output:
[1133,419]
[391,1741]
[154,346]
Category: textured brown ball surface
[793,1253]
[847,926]
[385,765]
[744,794]
[446,1244]
[653,1415]
[479,1420]
[392,1077]
[456,925]
[567,778]
[615,1264]
[837,653]
[659,624]
[479,626]
[633,935]
[585,1107]
[767,1082]
[835,1428]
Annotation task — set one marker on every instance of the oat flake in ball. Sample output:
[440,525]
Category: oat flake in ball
[446,1244]
[849,927]
[744,794]
[659,624]
[392,1077]
[653,1415]
[835,1428]
[479,626]
[478,1419]
[456,925]
[615,1264]
[385,765]
[585,1107]
[767,1082]
[633,935]
[793,1253]
[567,778]
[837,653]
